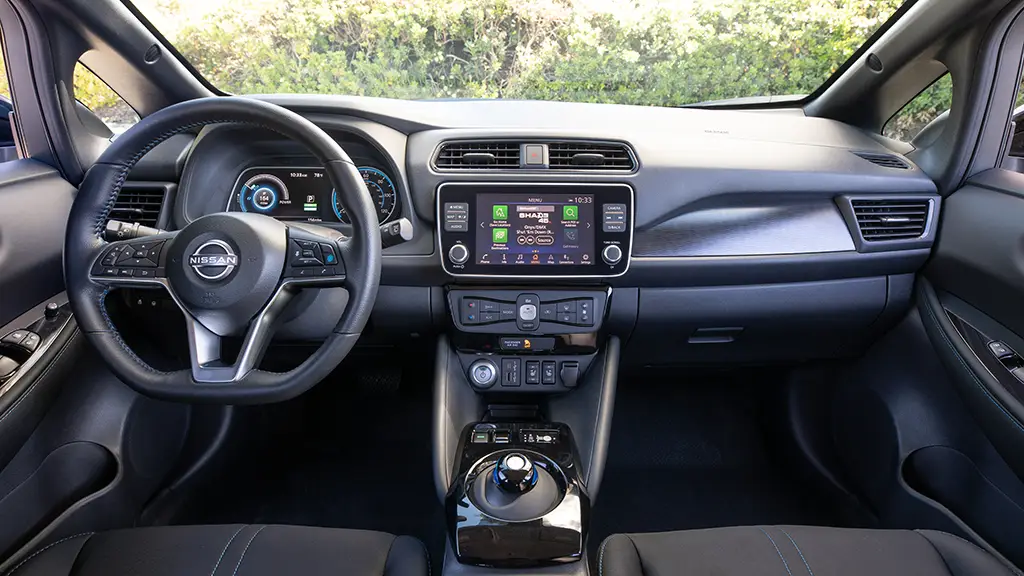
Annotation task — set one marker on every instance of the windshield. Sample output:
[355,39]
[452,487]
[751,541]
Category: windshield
[649,52]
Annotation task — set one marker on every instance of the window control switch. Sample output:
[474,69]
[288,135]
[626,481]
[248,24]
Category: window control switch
[1000,350]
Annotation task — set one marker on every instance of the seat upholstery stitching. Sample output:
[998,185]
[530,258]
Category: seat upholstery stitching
[246,549]
[225,550]
[806,565]
[600,556]
[970,371]
[427,553]
[779,552]
[44,549]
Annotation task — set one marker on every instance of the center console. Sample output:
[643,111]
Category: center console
[526,373]
[517,499]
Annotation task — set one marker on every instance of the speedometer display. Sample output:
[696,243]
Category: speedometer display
[381,189]
[306,194]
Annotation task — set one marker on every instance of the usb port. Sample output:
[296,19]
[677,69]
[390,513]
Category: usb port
[501,436]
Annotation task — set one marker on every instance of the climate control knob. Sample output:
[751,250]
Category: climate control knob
[483,374]
[611,254]
[458,254]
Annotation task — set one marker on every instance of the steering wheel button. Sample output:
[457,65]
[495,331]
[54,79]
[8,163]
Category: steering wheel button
[108,271]
[125,272]
[328,255]
[143,273]
[325,271]
[308,254]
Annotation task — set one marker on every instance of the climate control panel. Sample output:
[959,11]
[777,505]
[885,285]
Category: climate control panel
[528,311]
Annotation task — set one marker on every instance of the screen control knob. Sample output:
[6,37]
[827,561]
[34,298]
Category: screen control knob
[483,374]
[458,254]
[611,254]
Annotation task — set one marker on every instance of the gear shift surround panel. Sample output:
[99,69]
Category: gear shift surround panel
[517,499]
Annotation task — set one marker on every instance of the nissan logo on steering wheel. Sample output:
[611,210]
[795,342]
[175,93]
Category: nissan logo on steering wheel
[213,260]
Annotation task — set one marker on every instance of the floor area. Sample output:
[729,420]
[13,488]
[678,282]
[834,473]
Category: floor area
[355,453]
[697,453]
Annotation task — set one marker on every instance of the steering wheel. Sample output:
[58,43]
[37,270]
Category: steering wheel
[232,274]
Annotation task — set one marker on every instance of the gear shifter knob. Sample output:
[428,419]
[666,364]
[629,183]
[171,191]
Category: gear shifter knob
[515,473]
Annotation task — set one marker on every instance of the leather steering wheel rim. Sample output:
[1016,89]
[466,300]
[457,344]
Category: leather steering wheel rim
[84,244]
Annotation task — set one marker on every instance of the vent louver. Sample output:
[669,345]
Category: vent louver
[478,156]
[881,220]
[884,160]
[139,204]
[584,156]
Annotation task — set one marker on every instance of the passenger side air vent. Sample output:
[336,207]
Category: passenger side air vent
[884,160]
[478,156]
[139,203]
[585,156]
[881,220]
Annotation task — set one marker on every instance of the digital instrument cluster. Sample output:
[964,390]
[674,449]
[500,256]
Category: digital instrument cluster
[306,194]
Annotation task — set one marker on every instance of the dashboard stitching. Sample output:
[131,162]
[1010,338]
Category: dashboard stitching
[117,335]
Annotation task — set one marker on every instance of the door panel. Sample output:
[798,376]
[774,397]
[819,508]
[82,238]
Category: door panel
[973,295]
[34,206]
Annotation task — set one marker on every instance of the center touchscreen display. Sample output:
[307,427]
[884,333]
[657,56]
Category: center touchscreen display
[547,229]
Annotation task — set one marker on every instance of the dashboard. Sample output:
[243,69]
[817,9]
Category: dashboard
[720,235]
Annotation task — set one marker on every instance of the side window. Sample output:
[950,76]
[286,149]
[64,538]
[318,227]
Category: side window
[925,107]
[8,151]
[104,103]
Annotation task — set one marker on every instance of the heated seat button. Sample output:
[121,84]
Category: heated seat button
[547,372]
[533,372]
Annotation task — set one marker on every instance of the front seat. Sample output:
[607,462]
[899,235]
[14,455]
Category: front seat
[239,550]
[795,551]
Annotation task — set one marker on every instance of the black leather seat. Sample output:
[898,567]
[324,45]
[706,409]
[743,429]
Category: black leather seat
[250,550]
[795,551]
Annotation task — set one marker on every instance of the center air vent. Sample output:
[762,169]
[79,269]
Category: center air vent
[478,156]
[584,156]
[881,220]
[884,160]
[139,203]
[563,155]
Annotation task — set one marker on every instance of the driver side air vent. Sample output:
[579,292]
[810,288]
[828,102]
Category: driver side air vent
[139,203]
[881,220]
[478,156]
[884,160]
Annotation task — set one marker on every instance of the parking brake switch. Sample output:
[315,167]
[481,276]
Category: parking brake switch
[570,374]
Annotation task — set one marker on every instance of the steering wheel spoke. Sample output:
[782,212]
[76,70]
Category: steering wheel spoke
[206,347]
[139,262]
